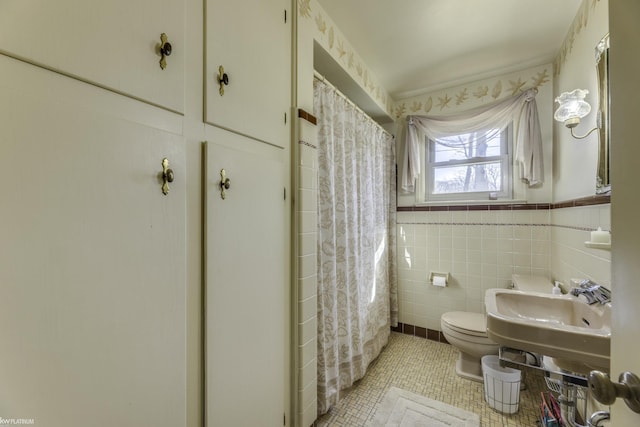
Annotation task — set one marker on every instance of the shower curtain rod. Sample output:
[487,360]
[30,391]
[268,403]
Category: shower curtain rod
[320,77]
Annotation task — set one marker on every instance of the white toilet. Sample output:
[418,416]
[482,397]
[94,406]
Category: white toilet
[468,333]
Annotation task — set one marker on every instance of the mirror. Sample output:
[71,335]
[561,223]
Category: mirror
[603,184]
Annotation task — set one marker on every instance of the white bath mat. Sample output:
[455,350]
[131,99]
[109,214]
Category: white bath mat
[402,408]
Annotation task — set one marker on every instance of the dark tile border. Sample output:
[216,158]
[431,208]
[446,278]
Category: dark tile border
[468,208]
[584,201]
[308,117]
[408,329]
[442,338]
[308,144]
[417,331]
[600,199]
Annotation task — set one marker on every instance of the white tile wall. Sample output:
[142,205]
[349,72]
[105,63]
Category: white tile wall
[306,218]
[479,249]
[307,332]
[482,249]
[570,258]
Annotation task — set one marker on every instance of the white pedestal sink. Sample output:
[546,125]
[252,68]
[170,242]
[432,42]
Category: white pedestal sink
[576,335]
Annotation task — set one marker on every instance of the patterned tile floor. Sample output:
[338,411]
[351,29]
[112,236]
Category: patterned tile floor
[428,368]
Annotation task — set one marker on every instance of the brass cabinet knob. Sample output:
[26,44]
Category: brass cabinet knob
[165,50]
[223,79]
[167,176]
[225,184]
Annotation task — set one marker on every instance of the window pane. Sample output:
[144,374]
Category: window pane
[467,146]
[467,178]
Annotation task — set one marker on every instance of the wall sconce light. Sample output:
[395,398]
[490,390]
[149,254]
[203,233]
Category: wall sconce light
[572,108]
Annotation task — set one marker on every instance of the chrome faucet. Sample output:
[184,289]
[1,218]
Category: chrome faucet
[598,417]
[593,292]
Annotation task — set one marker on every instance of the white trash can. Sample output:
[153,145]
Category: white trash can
[501,385]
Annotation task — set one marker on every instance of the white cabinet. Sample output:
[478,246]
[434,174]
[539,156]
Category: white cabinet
[246,292]
[93,259]
[252,42]
[113,43]
[92,313]
[246,281]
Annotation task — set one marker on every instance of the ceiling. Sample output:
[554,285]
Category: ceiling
[417,46]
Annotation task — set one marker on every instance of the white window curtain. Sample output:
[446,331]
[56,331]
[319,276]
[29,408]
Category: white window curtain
[521,110]
[357,283]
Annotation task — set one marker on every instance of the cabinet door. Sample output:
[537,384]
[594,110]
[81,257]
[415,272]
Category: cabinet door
[246,287]
[111,43]
[92,276]
[252,42]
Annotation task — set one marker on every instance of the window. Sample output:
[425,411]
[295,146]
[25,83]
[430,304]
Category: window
[473,166]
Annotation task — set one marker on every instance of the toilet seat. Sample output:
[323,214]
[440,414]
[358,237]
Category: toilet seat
[468,333]
[466,323]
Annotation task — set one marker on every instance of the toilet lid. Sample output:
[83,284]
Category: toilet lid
[466,322]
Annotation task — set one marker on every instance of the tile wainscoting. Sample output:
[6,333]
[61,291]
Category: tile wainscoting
[481,246]
[306,185]
[583,201]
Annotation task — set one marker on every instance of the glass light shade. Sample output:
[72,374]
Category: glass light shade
[572,107]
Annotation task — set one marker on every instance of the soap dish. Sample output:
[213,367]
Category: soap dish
[597,245]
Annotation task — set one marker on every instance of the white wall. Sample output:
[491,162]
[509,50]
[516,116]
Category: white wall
[483,92]
[304,161]
[315,22]
[574,171]
[574,168]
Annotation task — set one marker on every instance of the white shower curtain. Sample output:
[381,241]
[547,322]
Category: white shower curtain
[357,284]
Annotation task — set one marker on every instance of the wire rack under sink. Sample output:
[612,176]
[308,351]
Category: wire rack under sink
[555,386]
